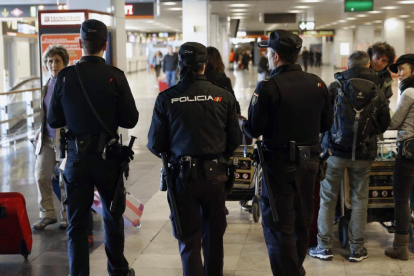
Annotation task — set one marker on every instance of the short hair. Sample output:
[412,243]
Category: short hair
[287,58]
[93,46]
[382,49]
[358,59]
[56,50]
[214,61]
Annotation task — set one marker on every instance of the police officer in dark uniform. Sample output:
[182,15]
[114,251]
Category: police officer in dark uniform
[93,157]
[289,109]
[195,123]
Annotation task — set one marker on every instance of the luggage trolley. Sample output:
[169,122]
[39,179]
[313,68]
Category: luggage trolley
[381,200]
[247,183]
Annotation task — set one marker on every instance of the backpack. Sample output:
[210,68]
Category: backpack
[355,109]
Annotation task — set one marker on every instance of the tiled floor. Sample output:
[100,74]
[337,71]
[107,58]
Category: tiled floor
[152,250]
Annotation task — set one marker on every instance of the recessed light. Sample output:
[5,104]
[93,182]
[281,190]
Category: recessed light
[390,8]
[405,2]
[368,23]
[403,16]
[294,11]
[351,18]
[238,10]
[375,12]
[175,9]
[341,21]
[169,3]
[311,1]
[301,7]
[239,5]
[378,21]
[361,15]
[238,14]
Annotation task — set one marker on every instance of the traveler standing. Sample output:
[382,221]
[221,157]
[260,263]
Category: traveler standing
[311,59]
[305,58]
[93,99]
[170,63]
[382,54]
[215,72]
[355,95]
[403,177]
[263,68]
[289,114]
[195,123]
[157,62]
[55,58]
[318,58]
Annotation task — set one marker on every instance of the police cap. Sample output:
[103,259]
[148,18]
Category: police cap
[408,58]
[192,53]
[282,41]
[93,30]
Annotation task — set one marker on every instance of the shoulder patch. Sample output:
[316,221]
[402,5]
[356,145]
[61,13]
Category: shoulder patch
[255,98]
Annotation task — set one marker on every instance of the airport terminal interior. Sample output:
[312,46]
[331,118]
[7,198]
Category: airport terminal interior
[139,29]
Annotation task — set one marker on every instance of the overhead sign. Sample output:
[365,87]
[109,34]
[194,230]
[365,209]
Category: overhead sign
[17,11]
[139,10]
[62,18]
[309,25]
[359,5]
[326,33]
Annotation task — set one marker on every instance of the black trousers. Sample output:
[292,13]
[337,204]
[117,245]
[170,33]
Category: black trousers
[81,174]
[202,215]
[287,240]
[403,181]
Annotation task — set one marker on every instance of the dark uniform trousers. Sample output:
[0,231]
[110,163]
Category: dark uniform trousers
[201,208]
[81,174]
[292,186]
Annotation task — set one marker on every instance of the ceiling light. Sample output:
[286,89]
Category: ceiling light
[311,1]
[405,2]
[361,15]
[169,3]
[294,11]
[351,18]
[238,10]
[390,8]
[238,14]
[341,21]
[301,7]
[175,9]
[239,5]
[375,12]
[368,23]
[353,27]
[403,16]
[378,21]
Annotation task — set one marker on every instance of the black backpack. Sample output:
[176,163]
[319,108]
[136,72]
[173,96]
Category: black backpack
[355,111]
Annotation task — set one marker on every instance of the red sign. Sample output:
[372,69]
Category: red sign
[16,12]
[129,9]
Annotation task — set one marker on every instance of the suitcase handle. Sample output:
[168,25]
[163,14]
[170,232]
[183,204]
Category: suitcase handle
[2,212]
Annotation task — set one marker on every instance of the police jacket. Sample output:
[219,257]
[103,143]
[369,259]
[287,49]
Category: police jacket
[170,62]
[369,152]
[290,106]
[384,82]
[222,80]
[195,119]
[108,91]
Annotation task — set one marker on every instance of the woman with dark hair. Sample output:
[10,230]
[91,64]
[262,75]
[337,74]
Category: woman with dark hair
[403,178]
[215,72]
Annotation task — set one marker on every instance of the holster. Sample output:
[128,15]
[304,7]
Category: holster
[408,149]
[230,174]
[83,144]
[323,166]
[304,155]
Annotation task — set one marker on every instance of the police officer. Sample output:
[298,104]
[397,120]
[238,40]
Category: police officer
[289,109]
[197,120]
[91,84]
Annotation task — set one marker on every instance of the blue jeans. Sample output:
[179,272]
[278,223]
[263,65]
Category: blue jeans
[358,172]
[170,78]
[82,173]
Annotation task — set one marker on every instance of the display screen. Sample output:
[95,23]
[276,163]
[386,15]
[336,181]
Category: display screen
[359,5]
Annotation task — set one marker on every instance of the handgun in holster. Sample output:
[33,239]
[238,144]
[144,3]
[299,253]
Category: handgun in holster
[62,143]
[231,169]
[183,180]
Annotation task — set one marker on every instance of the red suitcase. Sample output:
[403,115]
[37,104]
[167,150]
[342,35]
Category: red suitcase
[15,231]
[162,85]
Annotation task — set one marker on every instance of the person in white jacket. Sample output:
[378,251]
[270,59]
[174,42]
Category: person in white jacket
[403,178]
[55,58]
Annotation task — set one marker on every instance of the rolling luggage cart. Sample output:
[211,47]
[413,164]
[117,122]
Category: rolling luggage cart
[247,184]
[381,200]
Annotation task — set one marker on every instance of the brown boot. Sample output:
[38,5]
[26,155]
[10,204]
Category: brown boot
[399,249]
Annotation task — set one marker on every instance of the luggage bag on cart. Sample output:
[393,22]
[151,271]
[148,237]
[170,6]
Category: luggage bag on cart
[15,231]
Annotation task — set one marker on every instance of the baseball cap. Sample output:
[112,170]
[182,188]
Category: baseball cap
[93,30]
[192,53]
[408,58]
[282,41]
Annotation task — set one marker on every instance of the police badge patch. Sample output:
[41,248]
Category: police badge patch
[255,98]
